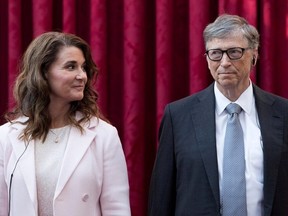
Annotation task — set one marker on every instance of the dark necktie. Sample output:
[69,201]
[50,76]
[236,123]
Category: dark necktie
[234,183]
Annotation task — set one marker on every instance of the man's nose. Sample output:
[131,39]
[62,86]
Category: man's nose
[225,61]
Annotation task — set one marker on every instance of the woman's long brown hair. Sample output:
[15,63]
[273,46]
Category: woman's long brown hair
[31,89]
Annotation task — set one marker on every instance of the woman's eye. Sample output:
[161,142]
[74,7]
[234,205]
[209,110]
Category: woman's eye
[84,68]
[73,67]
[70,67]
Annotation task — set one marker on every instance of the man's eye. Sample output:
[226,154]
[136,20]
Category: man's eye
[234,51]
[215,52]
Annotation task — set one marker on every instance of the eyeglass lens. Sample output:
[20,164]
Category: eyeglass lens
[233,53]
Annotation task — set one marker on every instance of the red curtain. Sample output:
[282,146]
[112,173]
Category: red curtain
[150,52]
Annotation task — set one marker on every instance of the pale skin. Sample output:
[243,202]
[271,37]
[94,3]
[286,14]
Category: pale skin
[232,77]
[66,78]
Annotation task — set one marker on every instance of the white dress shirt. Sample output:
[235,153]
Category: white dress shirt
[252,142]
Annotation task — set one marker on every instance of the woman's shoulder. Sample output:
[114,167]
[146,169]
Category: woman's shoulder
[16,123]
[5,130]
[101,124]
[5,127]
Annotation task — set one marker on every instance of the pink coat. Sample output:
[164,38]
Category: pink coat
[92,181]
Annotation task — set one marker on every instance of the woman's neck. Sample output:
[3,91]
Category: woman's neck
[59,116]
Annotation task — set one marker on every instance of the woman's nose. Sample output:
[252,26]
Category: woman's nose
[81,74]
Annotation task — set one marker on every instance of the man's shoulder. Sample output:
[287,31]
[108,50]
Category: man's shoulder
[268,97]
[196,97]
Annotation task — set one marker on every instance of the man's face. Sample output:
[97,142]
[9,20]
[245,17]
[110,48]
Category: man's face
[231,74]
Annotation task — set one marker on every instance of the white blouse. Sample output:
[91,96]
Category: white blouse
[48,160]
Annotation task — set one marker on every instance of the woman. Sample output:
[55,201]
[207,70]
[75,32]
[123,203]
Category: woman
[57,155]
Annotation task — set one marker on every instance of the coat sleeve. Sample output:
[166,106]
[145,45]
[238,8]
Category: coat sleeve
[114,198]
[162,186]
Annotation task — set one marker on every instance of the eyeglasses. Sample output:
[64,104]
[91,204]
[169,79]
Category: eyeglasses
[234,53]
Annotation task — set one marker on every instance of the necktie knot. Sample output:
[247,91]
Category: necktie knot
[233,108]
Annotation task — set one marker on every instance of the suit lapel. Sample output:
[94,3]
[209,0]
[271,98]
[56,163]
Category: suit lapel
[271,124]
[203,117]
[76,148]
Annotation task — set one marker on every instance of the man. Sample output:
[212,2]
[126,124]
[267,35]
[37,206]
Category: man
[190,175]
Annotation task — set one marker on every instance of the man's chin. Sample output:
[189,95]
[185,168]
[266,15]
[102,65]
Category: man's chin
[227,83]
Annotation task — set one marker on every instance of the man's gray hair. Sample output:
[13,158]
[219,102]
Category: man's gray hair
[226,24]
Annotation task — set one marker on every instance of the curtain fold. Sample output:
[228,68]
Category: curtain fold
[134,93]
[149,53]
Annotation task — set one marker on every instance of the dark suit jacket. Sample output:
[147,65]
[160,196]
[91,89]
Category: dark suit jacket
[185,176]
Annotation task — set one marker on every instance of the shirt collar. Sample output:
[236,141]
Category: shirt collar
[245,100]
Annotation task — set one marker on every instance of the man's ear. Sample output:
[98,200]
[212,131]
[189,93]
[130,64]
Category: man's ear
[254,60]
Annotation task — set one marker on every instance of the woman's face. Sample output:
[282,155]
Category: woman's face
[67,76]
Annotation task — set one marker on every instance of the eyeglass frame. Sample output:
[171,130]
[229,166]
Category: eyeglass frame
[226,51]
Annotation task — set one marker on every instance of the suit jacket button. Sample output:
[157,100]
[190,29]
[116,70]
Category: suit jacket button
[85,197]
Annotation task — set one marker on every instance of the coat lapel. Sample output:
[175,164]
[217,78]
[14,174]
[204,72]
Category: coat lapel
[203,117]
[76,148]
[271,125]
[25,161]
